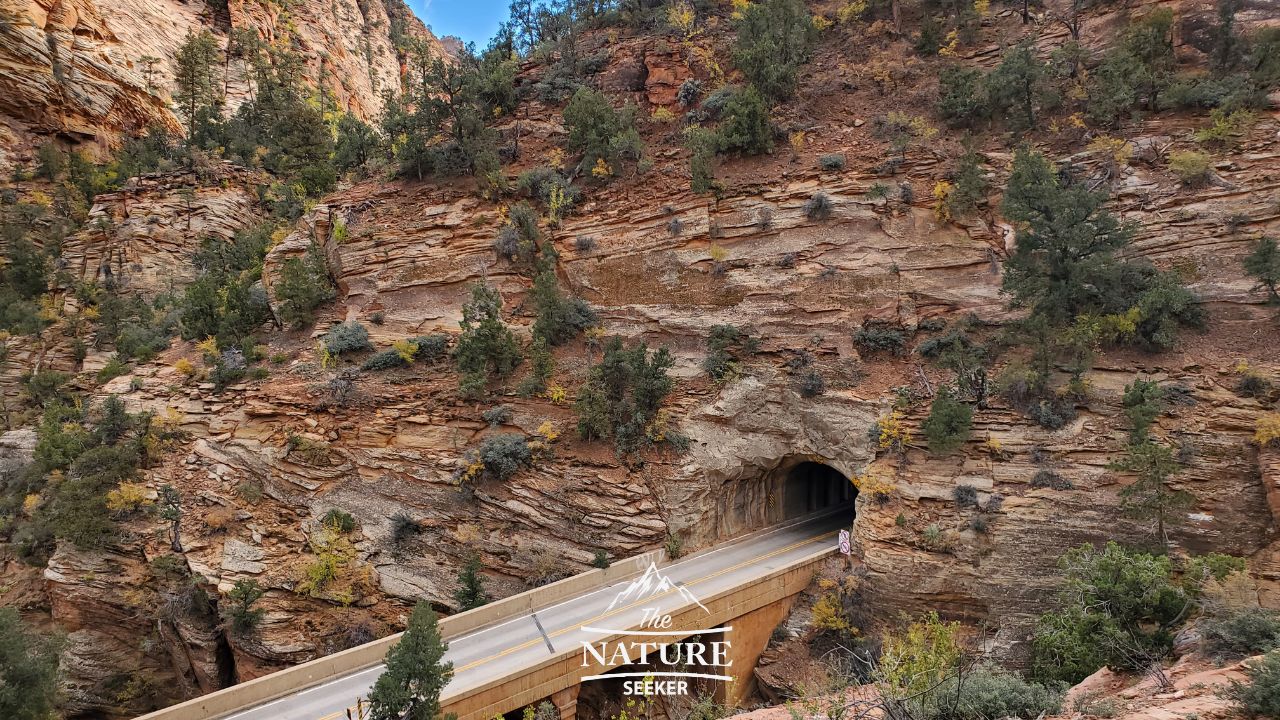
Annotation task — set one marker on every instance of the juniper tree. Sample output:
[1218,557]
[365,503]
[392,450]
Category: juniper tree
[774,38]
[28,670]
[415,674]
[486,346]
[1263,265]
[1065,264]
[1150,497]
[470,593]
[198,94]
[949,423]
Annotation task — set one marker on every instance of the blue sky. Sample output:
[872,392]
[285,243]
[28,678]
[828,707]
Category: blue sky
[472,20]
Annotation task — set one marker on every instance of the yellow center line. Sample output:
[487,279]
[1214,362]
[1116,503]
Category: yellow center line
[602,616]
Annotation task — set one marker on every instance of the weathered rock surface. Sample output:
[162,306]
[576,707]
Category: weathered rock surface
[78,69]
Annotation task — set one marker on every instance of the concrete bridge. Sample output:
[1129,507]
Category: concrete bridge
[529,648]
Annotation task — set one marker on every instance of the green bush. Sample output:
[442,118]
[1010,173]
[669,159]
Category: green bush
[559,318]
[517,239]
[727,346]
[964,99]
[949,423]
[988,691]
[599,132]
[775,37]
[357,144]
[832,163]
[1242,633]
[746,127]
[623,394]
[809,383]
[347,337]
[1260,696]
[1263,264]
[403,527]
[28,669]
[496,416]
[965,496]
[871,339]
[304,285]
[431,348]
[1050,479]
[384,360]
[503,455]
[470,593]
[486,346]
[818,206]
[1120,608]
[1192,168]
[339,521]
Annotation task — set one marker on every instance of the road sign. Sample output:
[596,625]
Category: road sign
[844,542]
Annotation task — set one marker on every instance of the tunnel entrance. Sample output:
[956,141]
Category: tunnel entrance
[811,487]
[793,488]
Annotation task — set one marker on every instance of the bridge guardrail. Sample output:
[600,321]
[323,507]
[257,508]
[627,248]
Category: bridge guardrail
[299,677]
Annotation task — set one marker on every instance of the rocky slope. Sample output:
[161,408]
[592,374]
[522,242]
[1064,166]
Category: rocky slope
[87,73]
[268,459]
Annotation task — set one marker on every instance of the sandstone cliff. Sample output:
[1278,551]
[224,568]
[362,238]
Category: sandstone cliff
[268,459]
[87,73]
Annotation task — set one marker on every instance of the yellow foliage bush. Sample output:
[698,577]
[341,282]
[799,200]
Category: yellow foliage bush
[208,347]
[941,193]
[872,482]
[405,349]
[185,367]
[557,394]
[893,435]
[127,497]
[1268,430]
[601,169]
[829,616]
[663,115]
[851,11]
[681,17]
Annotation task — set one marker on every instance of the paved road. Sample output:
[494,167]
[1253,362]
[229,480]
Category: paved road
[505,648]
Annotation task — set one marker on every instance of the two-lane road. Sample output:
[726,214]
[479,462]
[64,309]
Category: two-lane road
[511,646]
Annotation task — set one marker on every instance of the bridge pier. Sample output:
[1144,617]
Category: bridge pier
[748,640]
[566,701]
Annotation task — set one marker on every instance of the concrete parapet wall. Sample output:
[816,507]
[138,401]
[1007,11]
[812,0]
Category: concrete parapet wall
[565,668]
[315,672]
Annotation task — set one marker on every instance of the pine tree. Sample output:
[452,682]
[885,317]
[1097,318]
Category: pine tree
[470,593]
[1150,497]
[1263,265]
[409,688]
[949,422]
[1066,241]
[486,346]
[774,38]
[28,670]
[559,318]
[1015,86]
[198,94]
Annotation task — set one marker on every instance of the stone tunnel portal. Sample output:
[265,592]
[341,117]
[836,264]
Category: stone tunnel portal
[810,487]
[794,488]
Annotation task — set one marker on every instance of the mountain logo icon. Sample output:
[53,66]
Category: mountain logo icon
[652,584]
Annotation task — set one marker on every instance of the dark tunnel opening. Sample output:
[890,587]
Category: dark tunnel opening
[812,487]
